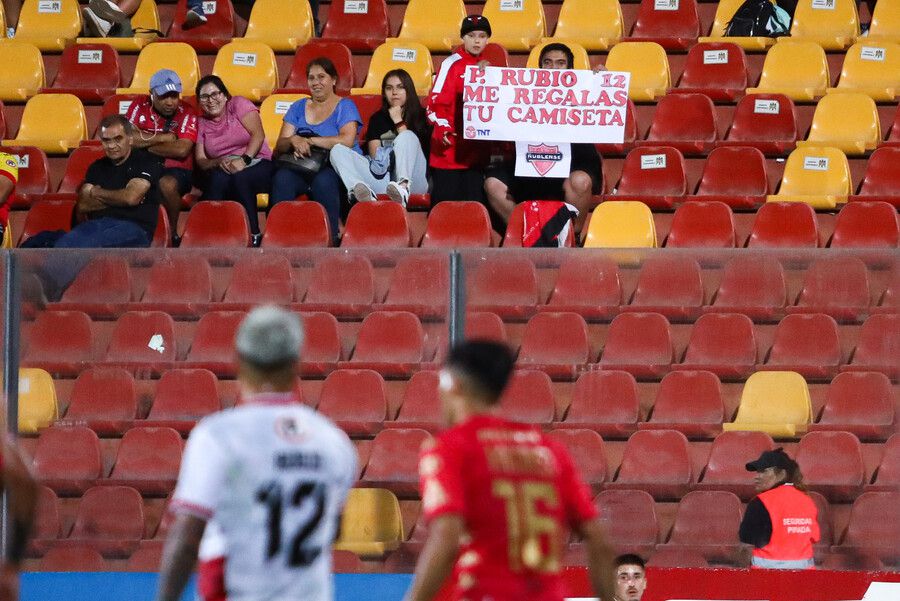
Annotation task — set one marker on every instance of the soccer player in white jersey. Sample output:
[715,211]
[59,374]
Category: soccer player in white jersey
[272,472]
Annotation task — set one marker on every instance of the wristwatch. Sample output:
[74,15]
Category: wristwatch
[247,159]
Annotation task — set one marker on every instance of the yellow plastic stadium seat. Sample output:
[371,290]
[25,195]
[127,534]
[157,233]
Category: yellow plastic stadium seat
[581,55]
[724,12]
[798,70]
[146,17]
[371,524]
[595,24]
[2,22]
[517,25]
[248,69]
[775,402]
[272,111]
[7,238]
[885,24]
[178,56]
[49,24]
[621,224]
[37,400]
[282,24]
[833,24]
[22,75]
[55,123]
[846,121]
[816,175]
[399,54]
[648,65]
[434,24]
[871,68]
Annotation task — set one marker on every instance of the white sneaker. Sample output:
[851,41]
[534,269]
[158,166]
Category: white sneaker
[94,26]
[194,19]
[362,193]
[10,32]
[108,11]
[398,193]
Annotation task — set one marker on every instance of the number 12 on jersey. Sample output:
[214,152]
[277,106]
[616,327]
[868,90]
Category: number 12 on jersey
[526,526]
[272,495]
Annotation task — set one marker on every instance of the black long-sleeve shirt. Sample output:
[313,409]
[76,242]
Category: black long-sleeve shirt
[756,527]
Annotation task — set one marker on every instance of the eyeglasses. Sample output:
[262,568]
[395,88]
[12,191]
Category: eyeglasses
[211,96]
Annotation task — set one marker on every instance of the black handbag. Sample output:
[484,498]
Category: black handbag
[307,166]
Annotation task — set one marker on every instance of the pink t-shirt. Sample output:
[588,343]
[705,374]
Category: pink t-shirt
[227,135]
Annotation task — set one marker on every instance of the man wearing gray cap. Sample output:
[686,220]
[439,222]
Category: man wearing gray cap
[271,472]
[167,127]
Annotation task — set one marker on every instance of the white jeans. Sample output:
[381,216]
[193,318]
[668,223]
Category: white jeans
[409,165]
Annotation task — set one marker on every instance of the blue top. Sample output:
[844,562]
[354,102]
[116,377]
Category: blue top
[345,112]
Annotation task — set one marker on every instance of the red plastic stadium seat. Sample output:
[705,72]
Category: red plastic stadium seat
[68,459]
[671,557]
[59,342]
[629,520]
[707,521]
[640,343]
[72,558]
[179,284]
[861,403]
[104,399]
[485,325]
[785,225]
[47,215]
[212,35]
[516,226]
[148,460]
[881,180]
[458,225]
[735,175]
[754,286]
[146,558]
[702,225]
[2,119]
[674,26]
[420,284]
[34,175]
[216,223]
[182,397]
[826,532]
[690,402]
[421,406]
[670,286]
[162,235]
[684,121]
[296,223]
[322,349]
[336,52]
[76,168]
[878,348]
[654,175]
[717,69]
[143,341]
[89,71]
[766,121]
[507,286]
[356,400]
[118,104]
[368,105]
[260,279]
[606,402]
[47,524]
[807,344]
[100,289]
[832,464]
[496,55]
[556,343]
[390,342]
[528,398]
[837,286]
[890,299]
[629,137]
[341,284]
[359,31]
[588,453]
[874,527]
[213,345]
[110,519]
[657,461]
[730,452]
[866,225]
[888,476]
[587,285]
[723,343]
[380,223]
[393,462]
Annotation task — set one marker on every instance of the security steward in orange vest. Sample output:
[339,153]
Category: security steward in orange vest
[781,521]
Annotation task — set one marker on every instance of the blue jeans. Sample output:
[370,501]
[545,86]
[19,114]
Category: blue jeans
[196,6]
[324,188]
[242,186]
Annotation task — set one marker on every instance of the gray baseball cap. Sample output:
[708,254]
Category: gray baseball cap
[269,336]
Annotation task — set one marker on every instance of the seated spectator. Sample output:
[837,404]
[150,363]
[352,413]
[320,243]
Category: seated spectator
[9,177]
[106,18]
[312,126]
[231,149]
[118,197]
[395,140]
[631,577]
[167,127]
[504,189]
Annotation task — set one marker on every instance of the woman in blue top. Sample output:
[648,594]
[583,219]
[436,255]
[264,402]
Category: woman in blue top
[321,121]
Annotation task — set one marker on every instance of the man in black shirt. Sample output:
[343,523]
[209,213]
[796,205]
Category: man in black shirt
[118,197]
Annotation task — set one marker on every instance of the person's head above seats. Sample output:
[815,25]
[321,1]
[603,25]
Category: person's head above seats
[475,32]
[115,137]
[631,577]
[556,56]
[165,92]
[268,346]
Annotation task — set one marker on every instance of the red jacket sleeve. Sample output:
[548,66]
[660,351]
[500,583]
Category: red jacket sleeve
[442,100]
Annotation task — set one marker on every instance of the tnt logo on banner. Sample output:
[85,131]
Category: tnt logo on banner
[543,160]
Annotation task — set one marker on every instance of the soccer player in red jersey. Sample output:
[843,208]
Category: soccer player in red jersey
[499,497]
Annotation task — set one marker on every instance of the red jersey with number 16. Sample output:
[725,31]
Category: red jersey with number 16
[519,495]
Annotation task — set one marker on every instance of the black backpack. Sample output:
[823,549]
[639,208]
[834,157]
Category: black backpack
[758,18]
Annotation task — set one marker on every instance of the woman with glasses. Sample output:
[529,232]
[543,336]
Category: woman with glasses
[231,149]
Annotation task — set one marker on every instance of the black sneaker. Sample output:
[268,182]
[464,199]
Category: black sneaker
[255,240]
